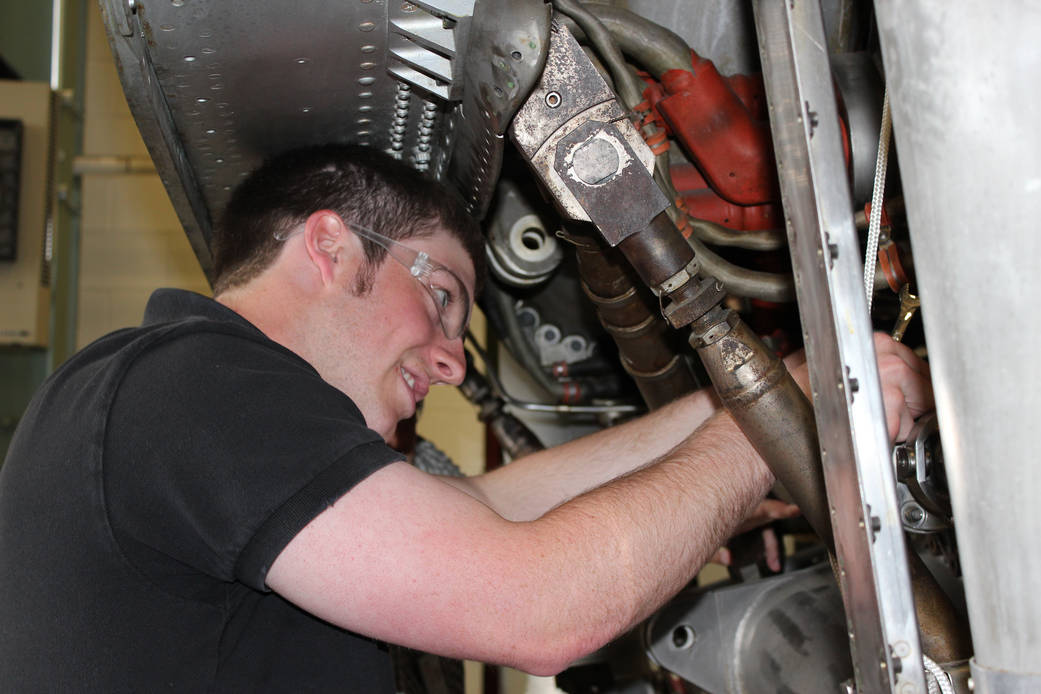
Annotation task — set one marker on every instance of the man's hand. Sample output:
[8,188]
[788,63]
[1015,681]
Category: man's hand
[767,511]
[906,388]
[907,392]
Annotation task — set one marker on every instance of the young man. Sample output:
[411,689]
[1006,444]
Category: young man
[207,502]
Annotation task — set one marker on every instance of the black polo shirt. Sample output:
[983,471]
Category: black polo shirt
[151,483]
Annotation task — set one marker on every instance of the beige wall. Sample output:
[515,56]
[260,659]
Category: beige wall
[131,241]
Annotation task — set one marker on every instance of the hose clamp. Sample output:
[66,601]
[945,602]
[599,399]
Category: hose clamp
[679,279]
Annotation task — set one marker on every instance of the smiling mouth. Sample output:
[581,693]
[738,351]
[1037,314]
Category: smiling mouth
[409,378]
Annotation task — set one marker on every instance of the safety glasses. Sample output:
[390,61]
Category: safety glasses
[446,290]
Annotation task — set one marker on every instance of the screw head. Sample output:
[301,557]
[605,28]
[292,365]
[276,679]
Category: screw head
[914,514]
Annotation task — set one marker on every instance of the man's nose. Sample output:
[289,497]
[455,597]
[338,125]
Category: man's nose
[449,360]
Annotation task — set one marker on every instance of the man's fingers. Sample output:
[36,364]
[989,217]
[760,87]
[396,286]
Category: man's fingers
[771,549]
[907,391]
[722,557]
[885,344]
[768,510]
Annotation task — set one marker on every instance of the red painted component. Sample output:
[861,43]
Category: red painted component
[749,88]
[703,203]
[731,148]
[652,94]
[888,253]
[572,394]
[722,124]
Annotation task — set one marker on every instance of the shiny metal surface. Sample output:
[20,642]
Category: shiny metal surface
[756,388]
[780,634]
[919,464]
[965,115]
[851,424]
[572,114]
[508,46]
[217,87]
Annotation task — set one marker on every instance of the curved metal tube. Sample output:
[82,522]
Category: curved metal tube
[741,281]
[638,329]
[756,388]
[628,84]
[719,235]
[653,46]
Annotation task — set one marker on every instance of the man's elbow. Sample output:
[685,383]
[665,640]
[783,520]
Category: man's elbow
[549,657]
[543,664]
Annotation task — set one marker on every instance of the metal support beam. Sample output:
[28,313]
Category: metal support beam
[872,568]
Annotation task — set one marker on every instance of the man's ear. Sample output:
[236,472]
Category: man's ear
[324,236]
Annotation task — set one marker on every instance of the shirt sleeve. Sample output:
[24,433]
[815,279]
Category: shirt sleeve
[220,448]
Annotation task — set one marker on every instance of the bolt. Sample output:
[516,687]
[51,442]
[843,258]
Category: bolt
[904,463]
[595,161]
[553,99]
[914,514]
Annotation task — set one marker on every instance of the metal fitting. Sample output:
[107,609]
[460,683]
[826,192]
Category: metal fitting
[596,160]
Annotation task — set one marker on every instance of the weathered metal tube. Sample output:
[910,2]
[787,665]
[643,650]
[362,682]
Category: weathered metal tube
[775,415]
[644,344]
[658,252]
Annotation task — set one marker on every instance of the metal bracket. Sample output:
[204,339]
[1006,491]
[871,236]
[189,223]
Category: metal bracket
[719,639]
[884,637]
[584,148]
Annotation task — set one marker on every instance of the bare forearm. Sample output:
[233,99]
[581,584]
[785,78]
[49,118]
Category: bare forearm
[641,538]
[527,488]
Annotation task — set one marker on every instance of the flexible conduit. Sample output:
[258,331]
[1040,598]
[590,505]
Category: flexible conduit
[875,222]
[938,683]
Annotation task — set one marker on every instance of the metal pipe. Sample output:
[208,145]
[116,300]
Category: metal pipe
[658,252]
[644,344]
[653,46]
[756,388]
[719,235]
[741,281]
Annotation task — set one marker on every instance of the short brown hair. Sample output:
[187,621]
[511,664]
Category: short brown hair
[359,184]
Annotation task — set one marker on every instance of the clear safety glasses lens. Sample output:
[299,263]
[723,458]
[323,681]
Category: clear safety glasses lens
[447,291]
[445,288]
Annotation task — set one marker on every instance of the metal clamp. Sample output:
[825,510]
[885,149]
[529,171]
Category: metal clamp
[678,280]
[709,293]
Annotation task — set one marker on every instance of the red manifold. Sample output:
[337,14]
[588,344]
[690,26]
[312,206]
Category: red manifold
[731,146]
[721,124]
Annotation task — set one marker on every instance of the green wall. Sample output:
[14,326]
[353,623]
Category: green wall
[25,37]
